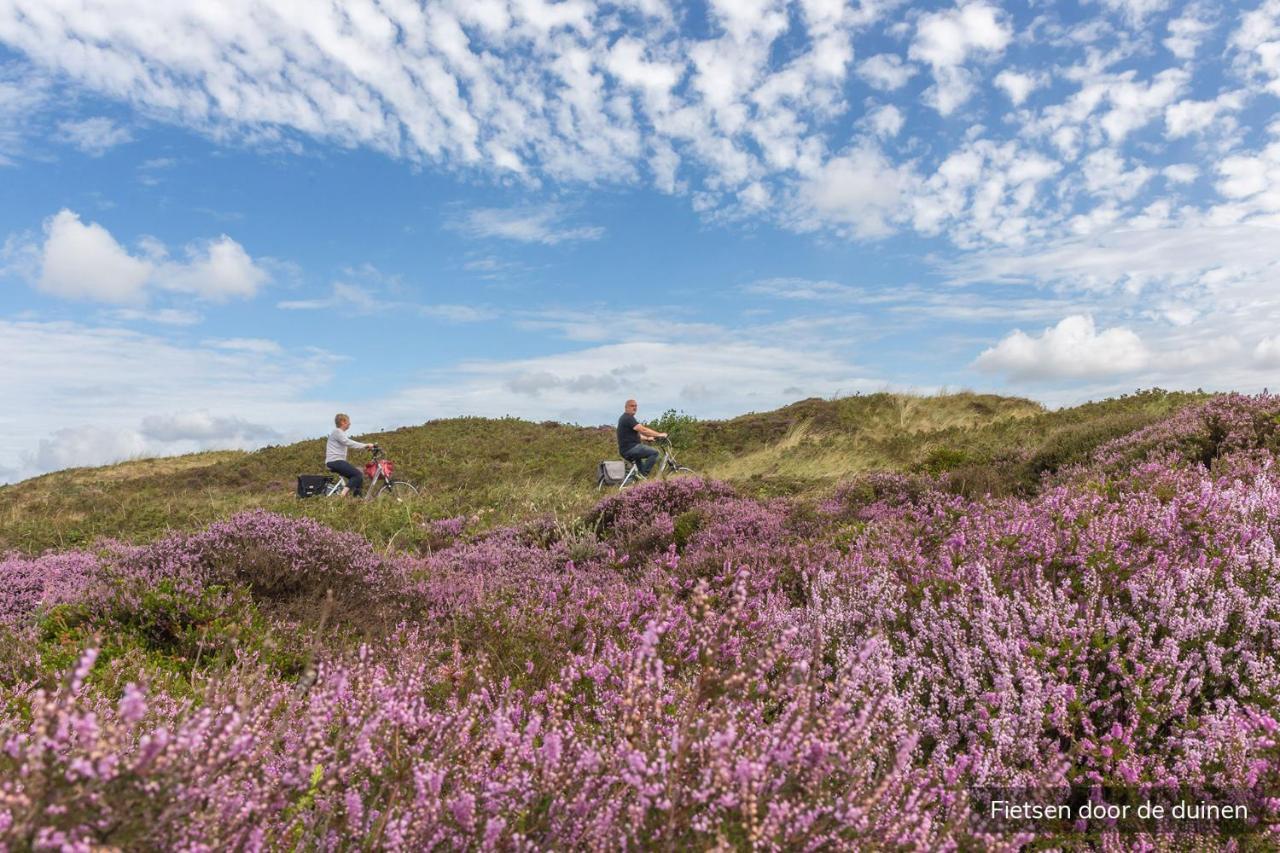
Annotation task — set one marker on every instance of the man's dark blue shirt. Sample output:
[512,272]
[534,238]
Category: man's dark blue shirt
[627,435]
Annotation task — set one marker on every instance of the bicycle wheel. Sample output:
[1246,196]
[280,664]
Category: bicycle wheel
[681,471]
[396,490]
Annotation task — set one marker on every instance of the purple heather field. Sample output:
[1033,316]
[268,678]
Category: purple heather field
[686,668]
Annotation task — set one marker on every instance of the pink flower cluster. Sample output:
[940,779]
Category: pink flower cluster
[691,668]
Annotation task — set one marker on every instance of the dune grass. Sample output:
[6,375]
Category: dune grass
[497,471]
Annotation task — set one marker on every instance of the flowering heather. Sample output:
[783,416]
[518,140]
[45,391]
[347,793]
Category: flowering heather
[30,584]
[691,668]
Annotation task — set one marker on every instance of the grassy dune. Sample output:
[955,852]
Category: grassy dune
[503,470]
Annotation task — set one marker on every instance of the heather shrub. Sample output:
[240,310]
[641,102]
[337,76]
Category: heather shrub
[28,584]
[685,667]
[289,564]
[635,505]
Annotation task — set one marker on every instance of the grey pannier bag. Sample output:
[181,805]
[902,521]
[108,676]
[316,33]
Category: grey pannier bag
[612,473]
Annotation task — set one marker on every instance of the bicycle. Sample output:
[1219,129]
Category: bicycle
[380,484]
[668,465]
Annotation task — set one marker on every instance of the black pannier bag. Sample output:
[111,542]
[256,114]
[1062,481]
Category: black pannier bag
[310,485]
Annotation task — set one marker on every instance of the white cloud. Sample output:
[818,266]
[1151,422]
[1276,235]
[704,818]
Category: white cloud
[85,262]
[94,136]
[1193,293]
[1073,349]
[745,117]
[1257,43]
[162,316]
[802,289]
[886,120]
[716,379]
[343,296]
[1187,116]
[1186,33]
[1136,11]
[24,94]
[1133,104]
[1181,173]
[952,87]
[525,225]
[1125,258]
[860,191]
[260,346]
[458,313]
[1108,176]
[1267,353]
[217,270]
[204,427]
[947,38]
[84,446]
[886,71]
[1256,178]
[96,394]
[363,300]
[79,261]
[1018,85]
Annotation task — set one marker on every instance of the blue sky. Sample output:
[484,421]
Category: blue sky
[220,223]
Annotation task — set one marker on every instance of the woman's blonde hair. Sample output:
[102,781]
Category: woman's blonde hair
[339,418]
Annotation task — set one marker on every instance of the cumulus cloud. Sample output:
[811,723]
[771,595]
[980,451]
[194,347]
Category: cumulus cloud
[94,136]
[1189,116]
[886,120]
[1257,44]
[1073,349]
[948,38]
[1186,32]
[859,191]
[1134,104]
[84,261]
[1018,85]
[1252,181]
[886,71]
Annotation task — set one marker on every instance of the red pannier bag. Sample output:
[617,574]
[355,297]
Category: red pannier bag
[370,468]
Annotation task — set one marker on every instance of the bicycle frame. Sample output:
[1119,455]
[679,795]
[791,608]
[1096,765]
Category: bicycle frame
[379,473]
[666,463]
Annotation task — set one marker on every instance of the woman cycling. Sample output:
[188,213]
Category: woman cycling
[335,454]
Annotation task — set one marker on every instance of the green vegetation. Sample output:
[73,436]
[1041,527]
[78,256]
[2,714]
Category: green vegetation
[503,470]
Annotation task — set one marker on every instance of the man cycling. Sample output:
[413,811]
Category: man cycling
[631,435]
[335,454]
